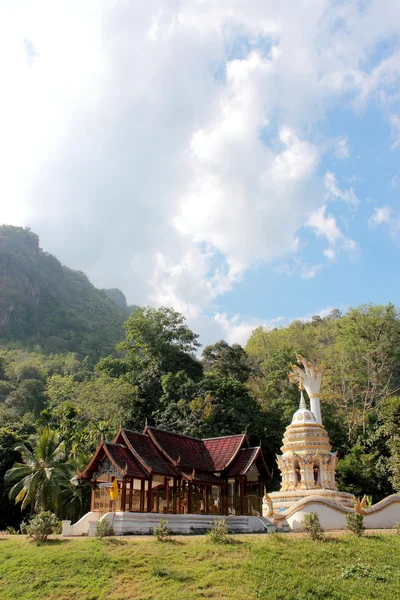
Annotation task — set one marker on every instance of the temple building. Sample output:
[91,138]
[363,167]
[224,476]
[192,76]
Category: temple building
[140,477]
[159,471]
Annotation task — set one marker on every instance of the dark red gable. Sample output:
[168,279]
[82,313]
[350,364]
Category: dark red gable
[223,450]
[147,452]
[183,450]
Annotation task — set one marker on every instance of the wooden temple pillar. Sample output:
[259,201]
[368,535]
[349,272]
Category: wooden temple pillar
[260,494]
[235,495]
[174,498]
[123,495]
[130,495]
[207,492]
[150,495]
[166,494]
[242,494]
[142,494]
[190,494]
[179,497]
[93,487]
[224,504]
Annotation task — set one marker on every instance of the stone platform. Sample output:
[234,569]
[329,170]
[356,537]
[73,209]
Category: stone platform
[130,523]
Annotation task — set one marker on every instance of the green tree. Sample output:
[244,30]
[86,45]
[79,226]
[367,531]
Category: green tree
[157,342]
[362,364]
[389,414]
[230,362]
[42,473]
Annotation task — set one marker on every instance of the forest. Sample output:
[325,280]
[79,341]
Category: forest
[55,406]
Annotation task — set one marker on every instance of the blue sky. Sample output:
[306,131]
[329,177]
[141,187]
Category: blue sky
[237,160]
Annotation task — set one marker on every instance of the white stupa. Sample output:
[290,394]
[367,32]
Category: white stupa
[307,463]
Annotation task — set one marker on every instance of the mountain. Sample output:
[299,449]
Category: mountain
[43,303]
[119,298]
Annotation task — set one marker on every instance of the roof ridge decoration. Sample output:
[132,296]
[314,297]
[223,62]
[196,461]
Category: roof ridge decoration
[115,444]
[160,448]
[133,431]
[192,437]
[148,468]
[221,437]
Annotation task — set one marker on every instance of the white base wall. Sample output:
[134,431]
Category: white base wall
[143,523]
[332,516]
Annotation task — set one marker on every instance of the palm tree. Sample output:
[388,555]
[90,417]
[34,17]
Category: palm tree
[42,474]
[75,499]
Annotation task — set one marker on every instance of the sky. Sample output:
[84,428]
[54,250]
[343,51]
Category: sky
[238,160]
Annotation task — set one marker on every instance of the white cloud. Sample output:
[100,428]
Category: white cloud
[237,330]
[381,215]
[342,148]
[326,226]
[333,191]
[146,150]
[330,253]
[395,125]
[389,217]
[308,272]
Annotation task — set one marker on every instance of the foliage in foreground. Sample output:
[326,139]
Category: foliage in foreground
[161,531]
[42,472]
[258,567]
[103,529]
[42,525]
[219,532]
[355,524]
[312,526]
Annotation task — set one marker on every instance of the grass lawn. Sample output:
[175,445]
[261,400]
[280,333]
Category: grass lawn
[273,567]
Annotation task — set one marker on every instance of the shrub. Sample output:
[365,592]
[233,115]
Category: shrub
[312,526]
[161,531]
[396,526]
[103,529]
[11,530]
[23,528]
[42,525]
[355,524]
[219,532]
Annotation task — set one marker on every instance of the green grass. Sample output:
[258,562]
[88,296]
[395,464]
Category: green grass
[273,567]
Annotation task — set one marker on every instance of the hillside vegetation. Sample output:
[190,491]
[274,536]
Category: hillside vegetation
[47,305]
[269,567]
[49,396]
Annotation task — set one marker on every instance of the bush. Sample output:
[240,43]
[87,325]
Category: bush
[396,526]
[219,532]
[42,525]
[355,524]
[103,529]
[11,530]
[312,526]
[161,531]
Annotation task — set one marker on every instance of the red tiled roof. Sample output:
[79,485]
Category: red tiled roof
[202,477]
[188,451]
[162,452]
[221,451]
[242,464]
[119,455]
[148,453]
[122,457]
